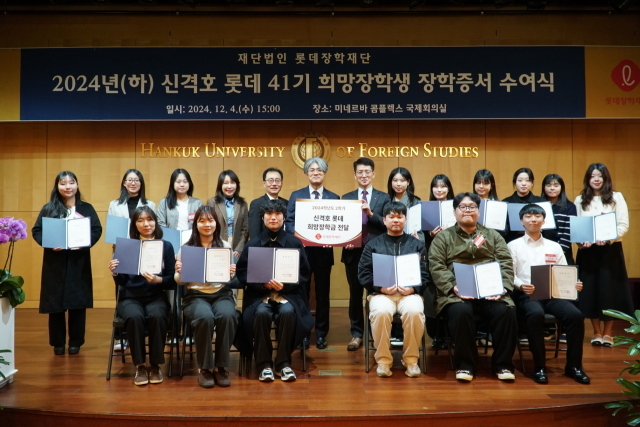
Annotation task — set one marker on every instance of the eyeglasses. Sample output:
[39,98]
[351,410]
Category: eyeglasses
[364,172]
[133,181]
[273,181]
[467,208]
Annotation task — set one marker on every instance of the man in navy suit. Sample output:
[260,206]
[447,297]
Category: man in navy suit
[272,181]
[372,203]
[320,258]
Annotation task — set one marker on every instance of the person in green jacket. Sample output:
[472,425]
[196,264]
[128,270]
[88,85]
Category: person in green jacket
[468,242]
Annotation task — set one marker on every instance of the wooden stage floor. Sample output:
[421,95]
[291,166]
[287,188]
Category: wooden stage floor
[71,390]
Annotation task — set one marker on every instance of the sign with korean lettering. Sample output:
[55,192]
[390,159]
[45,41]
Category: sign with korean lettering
[329,222]
[300,83]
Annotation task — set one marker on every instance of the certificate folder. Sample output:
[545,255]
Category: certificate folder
[414,219]
[479,281]
[554,281]
[403,270]
[514,216]
[117,226]
[137,256]
[592,228]
[66,233]
[266,264]
[493,214]
[437,214]
[205,265]
[177,238]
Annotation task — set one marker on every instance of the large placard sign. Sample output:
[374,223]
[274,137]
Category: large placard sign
[295,83]
[329,222]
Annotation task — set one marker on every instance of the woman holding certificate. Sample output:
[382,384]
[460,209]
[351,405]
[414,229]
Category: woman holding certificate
[67,283]
[132,195]
[209,306]
[401,189]
[441,190]
[484,185]
[602,268]
[177,209]
[523,183]
[553,190]
[141,297]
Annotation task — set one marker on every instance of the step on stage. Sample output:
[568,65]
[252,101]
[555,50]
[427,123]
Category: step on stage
[72,390]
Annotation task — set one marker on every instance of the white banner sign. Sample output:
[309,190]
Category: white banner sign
[329,222]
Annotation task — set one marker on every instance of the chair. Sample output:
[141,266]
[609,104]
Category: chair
[369,345]
[248,359]
[553,326]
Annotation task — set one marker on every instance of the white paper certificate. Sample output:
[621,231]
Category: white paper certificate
[447,218]
[286,265]
[151,256]
[414,219]
[495,215]
[564,282]
[606,227]
[217,265]
[408,270]
[328,222]
[489,280]
[185,235]
[79,233]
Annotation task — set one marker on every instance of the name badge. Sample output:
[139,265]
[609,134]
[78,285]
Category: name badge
[478,240]
[192,216]
[551,258]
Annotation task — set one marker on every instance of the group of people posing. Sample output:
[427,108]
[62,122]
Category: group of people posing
[227,221]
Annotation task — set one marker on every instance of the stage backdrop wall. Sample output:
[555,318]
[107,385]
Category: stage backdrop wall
[99,153]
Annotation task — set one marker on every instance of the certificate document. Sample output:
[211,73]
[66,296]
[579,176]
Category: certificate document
[592,228]
[514,216]
[606,227]
[177,238]
[265,264]
[414,219]
[493,214]
[79,233]
[286,265]
[117,226]
[218,261]
[437,214]
[554,281]
[479,281]
[323,222]
[66,233]
[151,256]
[403,270]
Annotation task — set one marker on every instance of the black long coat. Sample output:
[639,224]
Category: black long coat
[66,275]
[254,293]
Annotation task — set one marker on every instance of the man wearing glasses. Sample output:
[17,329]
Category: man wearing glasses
[372,226]
[272,183]
[320,258]
[468,242]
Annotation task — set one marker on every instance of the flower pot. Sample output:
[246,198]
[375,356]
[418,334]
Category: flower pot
[7,334]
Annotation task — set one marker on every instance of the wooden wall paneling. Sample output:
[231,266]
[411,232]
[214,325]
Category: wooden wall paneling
[544,146]
[443,137]
[203,170]
[23,150]
[631,244]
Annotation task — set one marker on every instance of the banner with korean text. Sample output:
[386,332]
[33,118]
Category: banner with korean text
[328,222]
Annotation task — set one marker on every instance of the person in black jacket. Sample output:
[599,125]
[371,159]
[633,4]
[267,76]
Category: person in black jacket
[523,183]
[141,299]
[286,303]
[384,302]
[67,284]
[272,181]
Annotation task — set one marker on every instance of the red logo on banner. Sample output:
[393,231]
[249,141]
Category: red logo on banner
[318,236]
[626,75]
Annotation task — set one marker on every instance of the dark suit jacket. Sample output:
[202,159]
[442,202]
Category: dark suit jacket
[290,222]
[377,200]
[256,225]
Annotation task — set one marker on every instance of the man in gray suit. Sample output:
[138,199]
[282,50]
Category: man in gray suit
[373,202]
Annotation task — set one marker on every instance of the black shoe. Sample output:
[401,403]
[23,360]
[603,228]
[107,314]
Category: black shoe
[577,375]
[540,376]
[74,350]
[321,344]
[58,351]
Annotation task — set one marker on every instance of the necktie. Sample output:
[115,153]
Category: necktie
[316,195]
[365,220]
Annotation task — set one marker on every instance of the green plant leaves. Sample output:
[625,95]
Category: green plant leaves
[11,288]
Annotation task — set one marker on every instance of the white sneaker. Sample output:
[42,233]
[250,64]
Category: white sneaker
[413,370]
[119,345]
[287,375]
[384,370]
[266,376]
[464,375]
[505,375]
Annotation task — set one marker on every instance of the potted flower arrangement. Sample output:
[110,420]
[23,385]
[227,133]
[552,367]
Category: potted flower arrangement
[11,294]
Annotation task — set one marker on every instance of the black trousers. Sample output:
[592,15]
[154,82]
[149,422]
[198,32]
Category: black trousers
[77,320]
[320,260]
[150,311]
[284,316]
[531,315]
[462,327]
[356,310]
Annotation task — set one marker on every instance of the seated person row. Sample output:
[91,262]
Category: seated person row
[527,251]
[384,302]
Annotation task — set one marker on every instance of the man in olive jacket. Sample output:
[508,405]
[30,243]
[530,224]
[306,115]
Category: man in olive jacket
[468,242]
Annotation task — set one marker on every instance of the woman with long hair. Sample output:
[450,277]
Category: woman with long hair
[602,268]
[554,191]
[67,284]
[484,185]
[142,300]
[232,210]
[176,210]
[441,189]
[210,306]
[401,189]
[132,195]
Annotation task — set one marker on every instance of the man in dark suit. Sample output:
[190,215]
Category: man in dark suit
[272,182]
[372,226]
[320,258]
